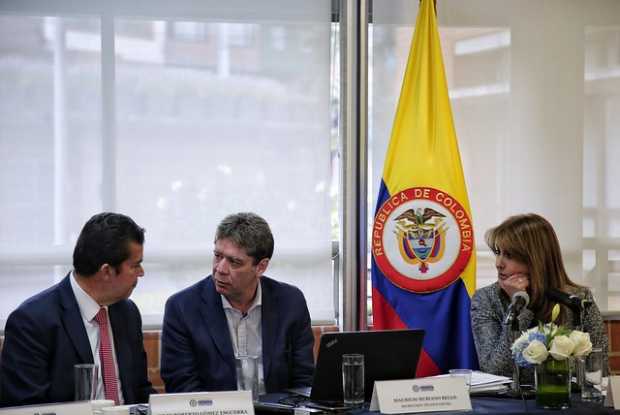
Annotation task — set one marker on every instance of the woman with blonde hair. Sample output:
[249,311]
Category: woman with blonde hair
[527,258]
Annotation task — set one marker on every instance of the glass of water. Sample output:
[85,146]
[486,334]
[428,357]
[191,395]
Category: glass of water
[247,374]
[85,378]
[465,374]
[353,379]
[593,376]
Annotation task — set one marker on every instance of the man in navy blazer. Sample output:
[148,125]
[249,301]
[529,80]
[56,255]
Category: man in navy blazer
[237,311]
[49,333]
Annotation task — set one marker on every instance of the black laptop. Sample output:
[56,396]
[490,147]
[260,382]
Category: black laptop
[388,355]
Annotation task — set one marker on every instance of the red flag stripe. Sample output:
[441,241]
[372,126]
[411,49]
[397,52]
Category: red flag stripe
[385,316]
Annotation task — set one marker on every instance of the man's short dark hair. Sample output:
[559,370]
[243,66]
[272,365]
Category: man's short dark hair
[105,240]
[248,231]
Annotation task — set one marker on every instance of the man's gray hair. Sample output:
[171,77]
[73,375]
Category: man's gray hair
[248,231]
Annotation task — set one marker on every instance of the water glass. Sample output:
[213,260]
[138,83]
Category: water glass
[593,376]
[464,373]
[353,379]
[247,374]
[85,377]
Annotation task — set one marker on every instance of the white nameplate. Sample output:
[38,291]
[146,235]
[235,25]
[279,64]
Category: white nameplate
[420,395]
[68,408]
[203,403]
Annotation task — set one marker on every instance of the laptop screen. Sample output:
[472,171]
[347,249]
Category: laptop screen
[388,355]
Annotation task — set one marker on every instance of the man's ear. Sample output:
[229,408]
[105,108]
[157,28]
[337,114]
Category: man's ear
[107,271]
[261,267]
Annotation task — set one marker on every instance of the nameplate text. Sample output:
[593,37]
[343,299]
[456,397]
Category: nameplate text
[420,395]
[202,403]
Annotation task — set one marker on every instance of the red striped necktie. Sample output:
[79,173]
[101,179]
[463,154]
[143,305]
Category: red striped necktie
[110,383]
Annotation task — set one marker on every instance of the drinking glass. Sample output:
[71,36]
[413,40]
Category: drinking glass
[85,377]
[353,379]
[593,376]
[464,373]
[247,374]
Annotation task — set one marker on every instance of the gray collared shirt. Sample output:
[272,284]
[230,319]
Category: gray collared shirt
[246,332]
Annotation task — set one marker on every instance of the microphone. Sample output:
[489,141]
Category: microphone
[519,300]
[570,300]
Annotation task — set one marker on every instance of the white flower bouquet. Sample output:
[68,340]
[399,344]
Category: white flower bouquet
[535,345]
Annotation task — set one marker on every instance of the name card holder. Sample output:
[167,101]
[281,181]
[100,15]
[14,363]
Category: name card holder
[67,408]
[420,395]
[202,403]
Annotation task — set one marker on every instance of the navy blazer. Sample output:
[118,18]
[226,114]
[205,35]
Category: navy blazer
[197,351]
[45,337]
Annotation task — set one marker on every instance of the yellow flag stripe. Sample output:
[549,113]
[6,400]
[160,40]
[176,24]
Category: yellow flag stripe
[423,149]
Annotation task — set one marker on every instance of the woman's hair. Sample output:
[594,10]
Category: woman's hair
[531,240]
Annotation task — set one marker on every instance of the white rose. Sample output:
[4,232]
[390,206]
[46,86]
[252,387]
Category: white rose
[561,347]
[583,345]
[536,352]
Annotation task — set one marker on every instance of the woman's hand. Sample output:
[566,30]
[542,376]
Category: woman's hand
[515,282]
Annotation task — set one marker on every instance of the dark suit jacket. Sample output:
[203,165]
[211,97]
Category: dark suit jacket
[197,351]
[45,337]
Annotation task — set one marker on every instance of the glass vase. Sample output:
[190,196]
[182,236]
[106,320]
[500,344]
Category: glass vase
[553,384]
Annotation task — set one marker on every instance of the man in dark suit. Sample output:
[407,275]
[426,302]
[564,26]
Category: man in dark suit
[237,311]
[68,323]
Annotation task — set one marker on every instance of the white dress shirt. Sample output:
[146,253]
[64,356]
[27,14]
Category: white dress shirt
[245,332]
[88,309]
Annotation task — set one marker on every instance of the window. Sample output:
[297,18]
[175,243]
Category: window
[537,114]
[178,116]
[175,131]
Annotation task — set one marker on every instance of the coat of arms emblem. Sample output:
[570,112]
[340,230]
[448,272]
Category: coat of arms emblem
[422,239]
[421,235]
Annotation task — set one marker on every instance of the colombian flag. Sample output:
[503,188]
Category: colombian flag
[423,252]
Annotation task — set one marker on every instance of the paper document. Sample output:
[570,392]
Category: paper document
[479,378]
[486,382]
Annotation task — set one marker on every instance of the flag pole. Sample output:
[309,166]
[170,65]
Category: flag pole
[353,130]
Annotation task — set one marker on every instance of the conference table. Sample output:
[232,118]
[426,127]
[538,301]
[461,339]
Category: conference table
[480,405]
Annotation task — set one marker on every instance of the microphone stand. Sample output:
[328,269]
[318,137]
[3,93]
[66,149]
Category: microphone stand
[578,317]
[515,387]
[512,322]
[519,300]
